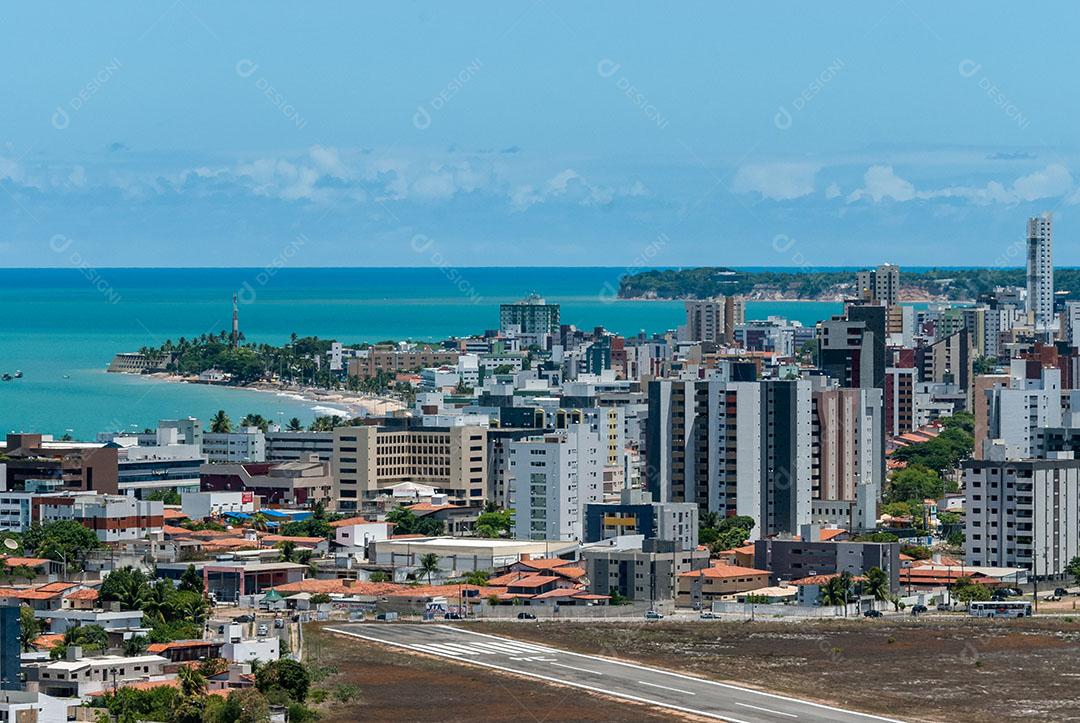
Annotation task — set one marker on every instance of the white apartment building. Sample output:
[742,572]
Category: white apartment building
[1023,513]
[1040,271]
[246,445]
[553,477]
[1015,413]
[113,518]
[201,505]
[1071,323]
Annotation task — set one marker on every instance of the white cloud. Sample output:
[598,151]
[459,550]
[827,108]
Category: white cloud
[881,183]
[778,181]
[833,191]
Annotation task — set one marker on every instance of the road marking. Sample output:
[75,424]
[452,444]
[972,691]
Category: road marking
[583,670]
[664,687]
[767,710]
[550,679]
[751,691]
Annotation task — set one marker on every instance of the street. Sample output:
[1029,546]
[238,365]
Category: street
[621,679]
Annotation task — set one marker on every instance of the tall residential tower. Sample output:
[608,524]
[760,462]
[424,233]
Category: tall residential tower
[1040,271]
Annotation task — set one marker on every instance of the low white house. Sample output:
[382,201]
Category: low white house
[200,505]
[358,532]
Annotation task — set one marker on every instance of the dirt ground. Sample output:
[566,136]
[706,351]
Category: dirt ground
[400,686]
[937,668]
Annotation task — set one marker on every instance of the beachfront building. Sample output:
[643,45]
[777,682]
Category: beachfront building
[286,446]
[248,444]
[371,362]
[73,466]
[532,316]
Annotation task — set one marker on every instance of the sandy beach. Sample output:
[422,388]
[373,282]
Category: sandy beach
[324,402]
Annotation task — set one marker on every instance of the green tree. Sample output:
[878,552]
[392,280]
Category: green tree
[167,496]
[128,586]
[295,425]
[29,627]
[285,675]
[192,581]
[220,423]
[478,578]
[379,576]
[64,541]
[833,592]
[494,524]
[429,565]
[966,591]
[288,550]
[915,483]
[135,645]
[1073,568]
[255,420]
[877,583]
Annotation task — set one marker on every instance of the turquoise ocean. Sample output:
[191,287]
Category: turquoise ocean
[61,327]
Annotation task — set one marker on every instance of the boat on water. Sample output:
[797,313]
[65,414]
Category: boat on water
[18,374]
[6,377]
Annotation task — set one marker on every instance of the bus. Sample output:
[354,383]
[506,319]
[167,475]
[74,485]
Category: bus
[1000,609]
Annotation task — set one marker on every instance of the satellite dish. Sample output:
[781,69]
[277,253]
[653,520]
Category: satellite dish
[10,544]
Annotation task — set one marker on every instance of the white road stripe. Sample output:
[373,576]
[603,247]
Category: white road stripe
[767,710]
[583,670]
[664,687]
[438,649]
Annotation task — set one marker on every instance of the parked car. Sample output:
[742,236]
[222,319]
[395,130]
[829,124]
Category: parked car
[653,615]
[387,617]
[944,606]
[244,619]
[279,622]
[872,614]
[1060,591]
[262,629]
[709,616]
[919,609]
[1052,598]
[526,616]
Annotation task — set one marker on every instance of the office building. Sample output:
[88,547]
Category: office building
[1040,271]
[285,446]
[77,466]
[370,459]
[302,483]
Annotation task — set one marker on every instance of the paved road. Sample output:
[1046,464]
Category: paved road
[603,675]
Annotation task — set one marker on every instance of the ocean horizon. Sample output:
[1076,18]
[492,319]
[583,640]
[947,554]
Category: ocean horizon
[63,326]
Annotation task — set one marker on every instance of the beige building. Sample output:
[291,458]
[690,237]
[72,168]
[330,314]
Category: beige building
[393,361]
[698,588]
[713,320]
[369,459]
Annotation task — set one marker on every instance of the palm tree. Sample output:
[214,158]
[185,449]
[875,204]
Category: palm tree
[258,521]
[192,682]
[288,549]
[877,583]
[429,564]
[295,425]
[834,592]
[221,424]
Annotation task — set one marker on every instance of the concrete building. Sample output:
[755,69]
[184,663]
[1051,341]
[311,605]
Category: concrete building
[698,589]
[793,559]
[735,448]
[1071,323]
[637,514]
[460,555]
[285,446]
[712,320]
[79,466]
[949,360]
[880,285]
[554,477]
[532,316]
[849,450]
[76,676]
[1022,513]
[370,459]
[1040,271]
[1015,413]
[303,483]
[851,347]
[167,464]
[201,505]
[244,445]
[393,361]
[645,573]
[113,518]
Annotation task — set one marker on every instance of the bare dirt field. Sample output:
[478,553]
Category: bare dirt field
[395,685]
[937,668]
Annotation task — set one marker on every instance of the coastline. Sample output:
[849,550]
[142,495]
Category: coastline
[324,402]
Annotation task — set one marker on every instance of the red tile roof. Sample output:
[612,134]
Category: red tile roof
[85,594]
[723,571]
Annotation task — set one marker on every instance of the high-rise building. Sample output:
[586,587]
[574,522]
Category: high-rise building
[1022,513]
[735,448]
[848,449]
[1040,271]
[1014,412]
[851,347]
[554,477]
[880,285]
[713,320]
[10,647]
[532,315]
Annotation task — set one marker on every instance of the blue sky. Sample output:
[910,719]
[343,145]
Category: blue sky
[184,133]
